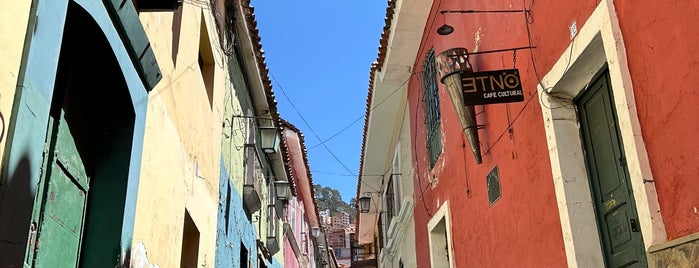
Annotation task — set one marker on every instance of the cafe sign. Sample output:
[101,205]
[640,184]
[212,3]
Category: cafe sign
[501,86]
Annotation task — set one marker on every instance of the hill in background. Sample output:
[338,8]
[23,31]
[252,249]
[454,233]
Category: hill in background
[330,198]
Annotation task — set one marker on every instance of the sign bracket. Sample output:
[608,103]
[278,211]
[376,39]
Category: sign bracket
[514,49]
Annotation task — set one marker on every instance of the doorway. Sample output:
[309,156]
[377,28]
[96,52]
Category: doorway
[78,212]
[615,208]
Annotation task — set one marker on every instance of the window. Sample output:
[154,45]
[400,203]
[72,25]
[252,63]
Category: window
[431,99]
[338,252]
[176,26]
[392,195]
[243,256]
[389,199]
[190,243]
[440,237]
[397,182]
[206,61]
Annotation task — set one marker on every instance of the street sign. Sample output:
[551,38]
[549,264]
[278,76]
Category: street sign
[491,87]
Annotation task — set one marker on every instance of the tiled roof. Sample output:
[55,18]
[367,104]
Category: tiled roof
[304,151]
[383,46]
[249,13]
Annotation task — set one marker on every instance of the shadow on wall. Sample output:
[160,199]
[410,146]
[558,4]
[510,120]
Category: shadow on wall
[16,205]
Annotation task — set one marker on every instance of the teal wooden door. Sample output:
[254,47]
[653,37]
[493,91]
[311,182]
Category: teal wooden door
[617,218]
[60,215]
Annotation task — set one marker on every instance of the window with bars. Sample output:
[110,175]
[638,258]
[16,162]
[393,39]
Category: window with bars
[431,102]
[390,202]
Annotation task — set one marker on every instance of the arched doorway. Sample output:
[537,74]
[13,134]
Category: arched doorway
[79,206]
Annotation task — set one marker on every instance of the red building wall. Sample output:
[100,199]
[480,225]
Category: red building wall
[521,229]
[660,39]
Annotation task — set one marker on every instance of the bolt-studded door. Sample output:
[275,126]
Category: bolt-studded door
[614,204]
[59,215]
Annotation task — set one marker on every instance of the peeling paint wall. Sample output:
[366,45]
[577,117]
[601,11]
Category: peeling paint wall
[660,42]
[139,257]
[522,228]
[234,228]
[181,155]
[14,18]
[657,44]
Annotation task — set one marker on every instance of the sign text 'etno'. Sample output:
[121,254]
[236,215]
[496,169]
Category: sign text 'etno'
[490,87]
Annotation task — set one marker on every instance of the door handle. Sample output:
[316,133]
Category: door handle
[634,226]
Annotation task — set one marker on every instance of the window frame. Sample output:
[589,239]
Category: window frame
[430,99]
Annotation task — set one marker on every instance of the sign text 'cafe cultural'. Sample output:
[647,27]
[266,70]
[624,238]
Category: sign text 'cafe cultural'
[490,87]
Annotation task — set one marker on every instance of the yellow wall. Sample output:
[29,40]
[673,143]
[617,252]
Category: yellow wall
[14,17]
[181,153]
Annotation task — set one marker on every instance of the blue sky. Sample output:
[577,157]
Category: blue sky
[319,54]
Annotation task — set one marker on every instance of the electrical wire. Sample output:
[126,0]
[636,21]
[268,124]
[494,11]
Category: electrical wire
[322,142]
[362,117]
[416,161]
[528,19]
[314,133]
[309,125]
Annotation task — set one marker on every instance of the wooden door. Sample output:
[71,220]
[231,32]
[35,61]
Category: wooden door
[617,218]
[60,214]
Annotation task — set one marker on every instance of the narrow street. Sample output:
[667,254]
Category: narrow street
[246,133]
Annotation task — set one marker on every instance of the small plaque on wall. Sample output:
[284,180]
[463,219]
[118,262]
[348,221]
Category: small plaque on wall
[493,180]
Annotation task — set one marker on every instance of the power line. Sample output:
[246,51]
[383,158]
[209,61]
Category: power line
[309,125]
[362,117]
[345,174]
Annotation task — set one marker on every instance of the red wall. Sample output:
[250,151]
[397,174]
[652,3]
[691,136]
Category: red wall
[521,229]
[661,39]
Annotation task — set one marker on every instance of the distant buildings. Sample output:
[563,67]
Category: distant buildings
[339,233]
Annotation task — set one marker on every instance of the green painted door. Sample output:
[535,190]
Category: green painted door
[617,219]
[61,212]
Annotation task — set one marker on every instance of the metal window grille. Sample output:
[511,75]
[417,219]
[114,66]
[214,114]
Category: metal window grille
[431,102]
[390,199]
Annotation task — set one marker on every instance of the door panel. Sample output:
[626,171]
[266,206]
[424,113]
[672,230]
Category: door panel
[616,212]
[63,207]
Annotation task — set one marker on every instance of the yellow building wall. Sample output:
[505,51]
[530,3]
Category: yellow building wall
[181,153]
[14,18]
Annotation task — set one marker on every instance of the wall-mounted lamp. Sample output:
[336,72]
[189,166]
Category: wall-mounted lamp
[282,189]
[445,29]
[364,204]
[269,139]
[450,65]
[315,231]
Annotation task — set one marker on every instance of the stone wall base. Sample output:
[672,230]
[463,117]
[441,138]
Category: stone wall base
[680,253]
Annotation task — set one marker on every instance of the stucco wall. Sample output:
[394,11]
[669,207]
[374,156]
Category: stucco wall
[181,154]
[234,229]
[14,18]
[406,249]
[660,40]
[522,228]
